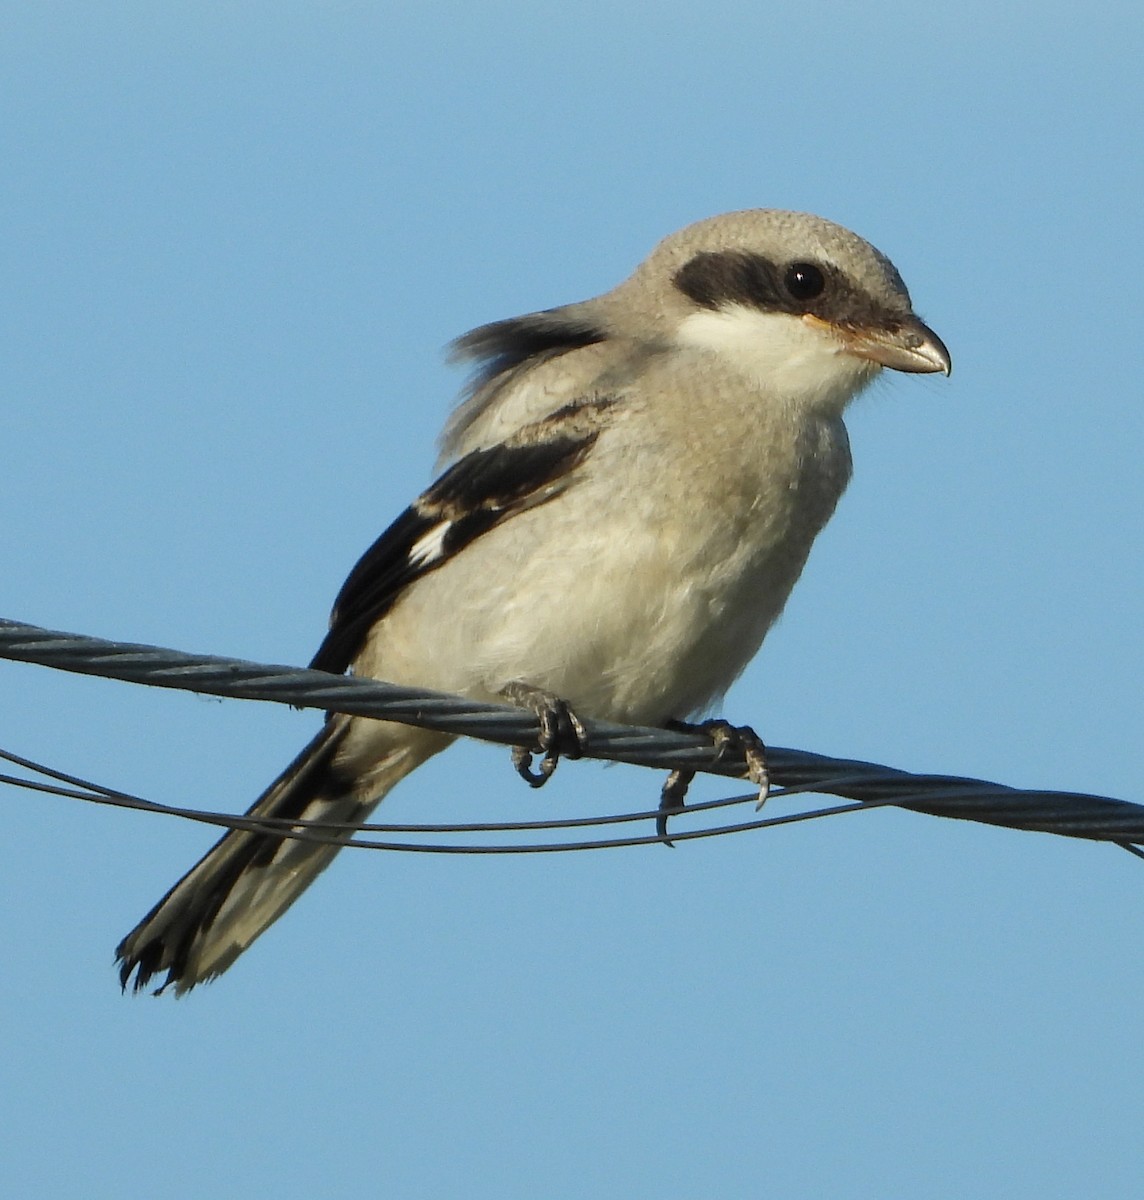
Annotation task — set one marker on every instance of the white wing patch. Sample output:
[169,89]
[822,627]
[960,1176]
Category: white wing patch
[430,547]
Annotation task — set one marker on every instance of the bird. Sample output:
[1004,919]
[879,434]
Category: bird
[627,493]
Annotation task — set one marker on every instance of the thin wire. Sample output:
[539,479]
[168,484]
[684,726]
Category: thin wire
[276,824]
[327,832]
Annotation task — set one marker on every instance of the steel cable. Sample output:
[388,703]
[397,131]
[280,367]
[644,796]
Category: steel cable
[1069,814]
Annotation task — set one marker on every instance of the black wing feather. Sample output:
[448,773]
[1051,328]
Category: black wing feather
[477,492]
[504,345]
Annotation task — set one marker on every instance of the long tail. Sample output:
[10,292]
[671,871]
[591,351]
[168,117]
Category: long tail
[248,880]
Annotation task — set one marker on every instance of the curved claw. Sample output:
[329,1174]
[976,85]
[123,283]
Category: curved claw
[561,732]
[726,739]
[522,762]
[671,800]
[743,738]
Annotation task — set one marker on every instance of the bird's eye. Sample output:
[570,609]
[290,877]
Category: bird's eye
[804,281]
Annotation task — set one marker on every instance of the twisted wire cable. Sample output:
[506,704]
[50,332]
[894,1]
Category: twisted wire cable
[1071,814]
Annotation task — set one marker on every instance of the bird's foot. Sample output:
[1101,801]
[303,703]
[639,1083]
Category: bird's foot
[727,738]
[561,733]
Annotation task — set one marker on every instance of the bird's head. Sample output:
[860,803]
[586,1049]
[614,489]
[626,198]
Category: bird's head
[802,305]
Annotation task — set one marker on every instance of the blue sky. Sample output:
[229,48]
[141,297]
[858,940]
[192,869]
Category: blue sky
[234,241]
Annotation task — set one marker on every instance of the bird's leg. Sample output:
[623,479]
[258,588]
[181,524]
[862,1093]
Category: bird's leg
[561,733]
[726,738]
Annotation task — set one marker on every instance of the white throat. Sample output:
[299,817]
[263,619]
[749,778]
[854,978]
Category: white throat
[781,354]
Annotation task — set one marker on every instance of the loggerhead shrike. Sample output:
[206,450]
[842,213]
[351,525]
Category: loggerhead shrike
[629,491]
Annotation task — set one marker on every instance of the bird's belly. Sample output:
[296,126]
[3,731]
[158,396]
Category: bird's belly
[653,624]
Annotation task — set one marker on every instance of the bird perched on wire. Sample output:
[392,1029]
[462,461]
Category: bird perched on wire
[630,489]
